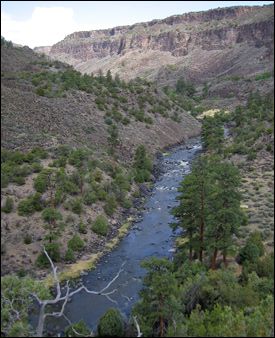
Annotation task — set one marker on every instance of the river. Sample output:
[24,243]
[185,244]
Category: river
[149,236]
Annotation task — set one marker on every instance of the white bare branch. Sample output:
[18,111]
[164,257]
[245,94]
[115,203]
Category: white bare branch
[67,296]
[74,330]
[137,326]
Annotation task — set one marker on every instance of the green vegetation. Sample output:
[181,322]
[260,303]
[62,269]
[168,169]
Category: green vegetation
[51,216]
[77,206]
[100,226]
[16,165]
[159,302]
[27,239]
[212,134]
[69,255]
[31,204]
[253,127]
[111,324]
[6,43]
[42,180]
[53,250]
[15,299]
[8,206]
[263,76]
[142,165]
[76,243]
[209,208]
[80,327]
[110,205]
[216,286]
[184,87]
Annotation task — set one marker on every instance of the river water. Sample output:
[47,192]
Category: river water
[149,236]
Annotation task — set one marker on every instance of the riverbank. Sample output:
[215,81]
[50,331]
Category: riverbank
[81,266]
[149,235]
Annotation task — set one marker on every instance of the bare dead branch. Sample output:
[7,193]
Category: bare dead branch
[137,326]
[67,296]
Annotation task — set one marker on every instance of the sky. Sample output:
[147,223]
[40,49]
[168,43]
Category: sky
[43,23]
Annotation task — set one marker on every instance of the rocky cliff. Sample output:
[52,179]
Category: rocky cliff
[200,46]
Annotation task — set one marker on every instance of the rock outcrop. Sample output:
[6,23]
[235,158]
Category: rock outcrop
[198,44]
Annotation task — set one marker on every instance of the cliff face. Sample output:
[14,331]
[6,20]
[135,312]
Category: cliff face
[142,49]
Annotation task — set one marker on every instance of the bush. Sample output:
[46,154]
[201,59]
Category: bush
[142,165]
[89,198]
[25,207]
[42,181]
[82,228]
[8,206]
[69,255]
[265,266]
[30,205]
[127,203]
[27,239]
[76,243]
[77,157]
[4,180]
[36,167]
[80,327]
[54,253]
[50,215]
[19,180]
[111,324]
[58,196]
[101,194]
[249,253]
[77,206]
[100,226]
[110,205]
[253,248]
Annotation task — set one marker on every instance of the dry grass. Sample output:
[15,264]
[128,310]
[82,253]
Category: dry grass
[74,270]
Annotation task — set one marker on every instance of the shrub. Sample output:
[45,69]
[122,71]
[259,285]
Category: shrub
[8,206]
[77,206]
[36,167]
[58,196]
[42,181]
[127,203]
[100,226]
[39,153]
[89,198]
[69,255]
[97,175]
[4,180]
[53,251]
[30,205]
[253,248]
[27,239]
[111,324]
[110,205]
[249,253]
[125,121]
[19,180]
[80,327]
[142,175]
[77,157]
[76,243]
[82,228]
[69,187]
[50,215]
[265,266]
[122,182]
[101,194]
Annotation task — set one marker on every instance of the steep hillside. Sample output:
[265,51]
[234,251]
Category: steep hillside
[41,105]
[202,46]
[67,159]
